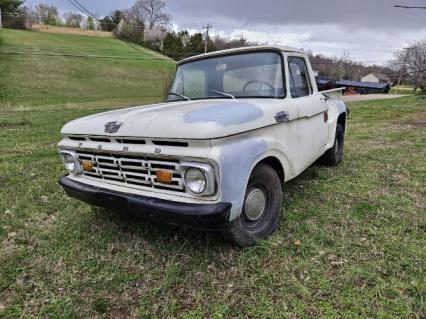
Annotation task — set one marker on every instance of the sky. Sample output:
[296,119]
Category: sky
[370,31]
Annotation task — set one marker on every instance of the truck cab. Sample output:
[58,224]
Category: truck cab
[235,126]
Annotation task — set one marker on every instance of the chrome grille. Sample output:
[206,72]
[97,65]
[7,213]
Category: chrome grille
[133,170]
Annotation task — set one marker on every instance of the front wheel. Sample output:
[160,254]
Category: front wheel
[334,155]
[261,209]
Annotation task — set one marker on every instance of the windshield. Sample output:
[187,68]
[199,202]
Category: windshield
[258,74]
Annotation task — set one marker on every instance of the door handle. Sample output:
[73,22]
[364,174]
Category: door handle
[324,98]
[282,117]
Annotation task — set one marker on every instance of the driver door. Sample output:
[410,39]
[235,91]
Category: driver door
[311,106]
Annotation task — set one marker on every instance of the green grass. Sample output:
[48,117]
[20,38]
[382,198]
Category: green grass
[28,80]
[350,243]
[404,89]
[361,227]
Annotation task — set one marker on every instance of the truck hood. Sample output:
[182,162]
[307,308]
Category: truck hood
[206,119]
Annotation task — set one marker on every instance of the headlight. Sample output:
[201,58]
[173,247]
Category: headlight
[195,180]
[70,162]
[199,178]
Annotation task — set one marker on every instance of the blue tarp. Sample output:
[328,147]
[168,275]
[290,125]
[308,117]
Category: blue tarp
[369,85]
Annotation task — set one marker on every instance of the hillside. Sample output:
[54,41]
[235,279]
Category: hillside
[62,69]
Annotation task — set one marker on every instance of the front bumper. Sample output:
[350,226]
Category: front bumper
[197,216]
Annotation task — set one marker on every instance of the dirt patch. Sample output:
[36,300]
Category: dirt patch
[8,244]
[416,120]
[416,123]
[15,124]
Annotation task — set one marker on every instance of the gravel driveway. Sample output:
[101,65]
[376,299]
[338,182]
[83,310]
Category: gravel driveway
[369,97]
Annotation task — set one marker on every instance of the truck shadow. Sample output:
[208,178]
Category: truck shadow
[169,236]
[155,233]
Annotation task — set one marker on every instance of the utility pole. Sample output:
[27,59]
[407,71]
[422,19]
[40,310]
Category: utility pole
[207,28]
[400,75]
[1,25]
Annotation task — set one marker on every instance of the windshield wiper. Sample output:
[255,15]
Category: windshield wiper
[224,94]
[180,95]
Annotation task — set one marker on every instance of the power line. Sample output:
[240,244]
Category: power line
[408,7]
[82,56]
[81,8]
[85,9]
[95,56]
[76,6]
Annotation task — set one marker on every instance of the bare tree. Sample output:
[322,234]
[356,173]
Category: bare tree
[224,43]
[150,13]
[412,62]
[72,20]
[47,14]
[156,16]
[31,17]
[154,38]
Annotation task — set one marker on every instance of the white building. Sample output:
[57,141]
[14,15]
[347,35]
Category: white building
[376,78]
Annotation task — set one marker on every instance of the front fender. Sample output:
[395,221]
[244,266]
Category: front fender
[236,157]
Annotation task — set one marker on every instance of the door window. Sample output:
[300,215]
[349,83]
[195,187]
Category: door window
[300,84]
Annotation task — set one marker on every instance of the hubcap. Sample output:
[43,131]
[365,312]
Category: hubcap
[255,204]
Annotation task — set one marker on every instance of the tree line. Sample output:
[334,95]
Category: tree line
[147,23]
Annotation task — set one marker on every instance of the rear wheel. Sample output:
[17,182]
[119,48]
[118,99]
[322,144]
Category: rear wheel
[334,155]
[261,209]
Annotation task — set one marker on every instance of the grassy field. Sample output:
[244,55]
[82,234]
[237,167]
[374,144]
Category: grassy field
[44,80]
[404,89]
[350,244]
[351,241]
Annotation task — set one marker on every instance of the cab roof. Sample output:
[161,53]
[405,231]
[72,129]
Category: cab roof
[242,50]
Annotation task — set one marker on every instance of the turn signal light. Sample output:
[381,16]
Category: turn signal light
[325,117]
[164,177]
[87,166]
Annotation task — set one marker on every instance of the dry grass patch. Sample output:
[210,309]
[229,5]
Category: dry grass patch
[74,31]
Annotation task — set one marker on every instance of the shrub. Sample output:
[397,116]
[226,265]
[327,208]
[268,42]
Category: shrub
[130,31]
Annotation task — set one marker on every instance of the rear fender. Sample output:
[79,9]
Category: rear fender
[337,108]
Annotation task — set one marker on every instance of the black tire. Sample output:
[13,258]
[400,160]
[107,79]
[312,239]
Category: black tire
[245,232]
[334,155]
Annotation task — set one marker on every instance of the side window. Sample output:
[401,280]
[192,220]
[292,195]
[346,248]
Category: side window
[300,84]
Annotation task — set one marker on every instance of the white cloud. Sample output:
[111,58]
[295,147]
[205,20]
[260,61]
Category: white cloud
[361,44]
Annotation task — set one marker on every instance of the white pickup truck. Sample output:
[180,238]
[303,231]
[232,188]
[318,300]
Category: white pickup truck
[236,125]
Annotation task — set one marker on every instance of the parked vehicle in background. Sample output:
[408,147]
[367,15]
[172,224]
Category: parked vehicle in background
[236,125]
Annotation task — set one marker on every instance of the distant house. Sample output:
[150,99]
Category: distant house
[376,78]
[364,87]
